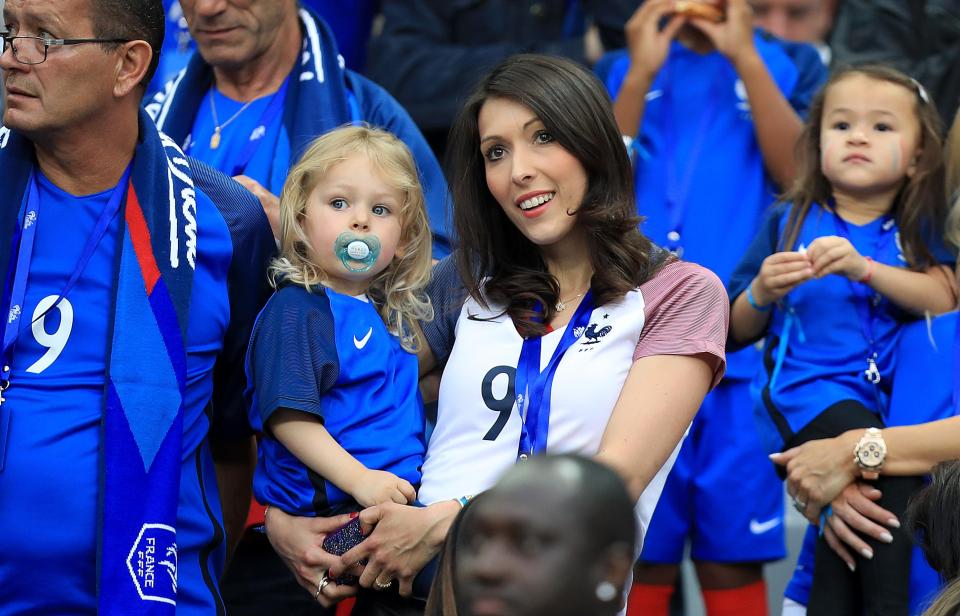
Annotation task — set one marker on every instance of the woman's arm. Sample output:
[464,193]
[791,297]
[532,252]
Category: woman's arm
[306,438]
[657,403]
[818,471]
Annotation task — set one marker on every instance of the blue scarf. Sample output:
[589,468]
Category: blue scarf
[318,98]
[141,426]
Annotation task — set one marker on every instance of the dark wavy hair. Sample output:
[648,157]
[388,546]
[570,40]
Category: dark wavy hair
[934,516]
[494,254]
[920,206]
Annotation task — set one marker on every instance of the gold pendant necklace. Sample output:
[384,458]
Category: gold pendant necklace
[217,126]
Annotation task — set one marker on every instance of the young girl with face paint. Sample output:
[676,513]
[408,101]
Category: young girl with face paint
[828,282]
[332,361]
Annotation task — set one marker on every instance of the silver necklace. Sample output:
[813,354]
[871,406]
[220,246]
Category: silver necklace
[217,126]
[562,304]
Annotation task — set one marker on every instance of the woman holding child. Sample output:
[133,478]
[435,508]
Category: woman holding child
[572,319]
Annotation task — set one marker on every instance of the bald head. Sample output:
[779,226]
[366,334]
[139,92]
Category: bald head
[544,540]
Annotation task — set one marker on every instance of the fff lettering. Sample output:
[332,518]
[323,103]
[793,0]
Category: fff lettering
[147,562]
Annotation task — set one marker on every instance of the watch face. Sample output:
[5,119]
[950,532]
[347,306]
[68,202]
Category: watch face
[871,454]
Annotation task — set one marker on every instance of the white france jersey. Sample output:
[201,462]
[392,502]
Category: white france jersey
[478,426]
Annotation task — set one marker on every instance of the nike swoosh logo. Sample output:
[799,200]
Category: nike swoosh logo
[363,341]
[758,528]
[653,95]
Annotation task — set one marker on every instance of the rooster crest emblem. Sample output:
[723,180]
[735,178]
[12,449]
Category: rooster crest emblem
[591,333]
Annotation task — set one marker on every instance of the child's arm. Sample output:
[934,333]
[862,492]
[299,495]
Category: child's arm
[777,125]
[780,273]
[933,290]
[306,438]
[648,46]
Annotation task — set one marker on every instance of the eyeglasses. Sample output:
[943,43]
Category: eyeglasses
[33,49]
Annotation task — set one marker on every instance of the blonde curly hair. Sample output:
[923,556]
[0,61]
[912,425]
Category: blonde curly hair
[397,291]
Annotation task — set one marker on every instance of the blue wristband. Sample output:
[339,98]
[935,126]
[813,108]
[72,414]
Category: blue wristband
[753,302]
[825,514]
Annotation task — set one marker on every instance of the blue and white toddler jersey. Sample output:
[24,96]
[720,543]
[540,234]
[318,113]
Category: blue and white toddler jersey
[331,356]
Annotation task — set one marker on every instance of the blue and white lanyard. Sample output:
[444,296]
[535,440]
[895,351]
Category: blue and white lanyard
[533,387]
[678,187]
[866,302]
[19,270]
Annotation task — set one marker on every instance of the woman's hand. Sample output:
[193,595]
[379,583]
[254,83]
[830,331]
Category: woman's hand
[779,274]
[298,541]
[832,254]
[818,471]
[855,509]
[403,541]
[377,487]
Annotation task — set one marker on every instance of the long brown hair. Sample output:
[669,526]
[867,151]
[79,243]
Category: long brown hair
[919,207]
[953,180]
[494,255]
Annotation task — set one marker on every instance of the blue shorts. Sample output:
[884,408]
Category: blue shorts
[925,584]
[723,492]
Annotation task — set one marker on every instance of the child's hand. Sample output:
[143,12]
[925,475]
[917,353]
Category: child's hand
[647,43]
[780,273]
[376,487]
[732,37]
[836,255]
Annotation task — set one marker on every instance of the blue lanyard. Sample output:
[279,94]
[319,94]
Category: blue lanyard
[533,387]
[266,119]
[20,266]
[679,187]
[866,302]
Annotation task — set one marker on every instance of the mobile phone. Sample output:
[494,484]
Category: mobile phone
[342,540]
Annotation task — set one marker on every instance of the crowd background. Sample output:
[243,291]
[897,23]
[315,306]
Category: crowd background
[429,54]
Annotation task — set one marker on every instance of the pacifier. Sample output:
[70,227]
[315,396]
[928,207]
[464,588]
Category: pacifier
[357,253]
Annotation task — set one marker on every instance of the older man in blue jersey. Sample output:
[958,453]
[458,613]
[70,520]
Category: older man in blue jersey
[126,319]
[267,80]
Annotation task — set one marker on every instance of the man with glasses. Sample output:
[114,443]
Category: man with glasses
[127,302]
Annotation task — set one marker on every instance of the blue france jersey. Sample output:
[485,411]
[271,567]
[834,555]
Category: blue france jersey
[700,177]
[330,355]
[825,352]
[48,489]
[269,159]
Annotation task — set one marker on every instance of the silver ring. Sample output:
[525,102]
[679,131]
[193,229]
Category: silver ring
[378,585]
[799,505]
[324,581]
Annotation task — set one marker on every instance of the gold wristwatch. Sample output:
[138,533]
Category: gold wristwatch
[869,453]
